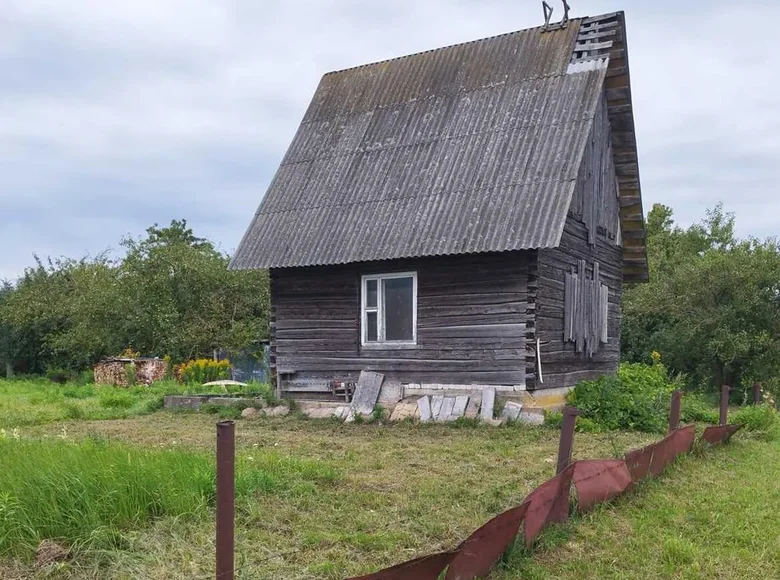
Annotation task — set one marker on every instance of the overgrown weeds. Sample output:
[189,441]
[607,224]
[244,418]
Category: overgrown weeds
[90,493]
[762,421]
[35,401]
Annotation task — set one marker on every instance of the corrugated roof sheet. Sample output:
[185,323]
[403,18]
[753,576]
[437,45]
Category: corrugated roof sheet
[468,148]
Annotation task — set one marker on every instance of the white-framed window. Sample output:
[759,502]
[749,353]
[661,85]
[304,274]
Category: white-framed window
[388,309]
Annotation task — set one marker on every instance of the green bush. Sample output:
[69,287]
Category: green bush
[636,399]
[73,411]
[696,409]
[762,420]
[85,377]
[60,376]
[116,400]
[130,375]
[84,392]
[224,411]
[554,419]
[203,370]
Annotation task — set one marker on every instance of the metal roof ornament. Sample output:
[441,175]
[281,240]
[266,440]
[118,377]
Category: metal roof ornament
[548,11]
[566,9]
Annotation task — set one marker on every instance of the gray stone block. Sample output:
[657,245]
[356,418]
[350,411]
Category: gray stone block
[424,405]
[488,404]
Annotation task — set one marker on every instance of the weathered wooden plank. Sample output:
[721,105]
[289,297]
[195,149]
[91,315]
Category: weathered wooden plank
[473,331]
[588,46]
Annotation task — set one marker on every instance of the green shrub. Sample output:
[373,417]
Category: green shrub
[130,375]
[60,376]
[636,399]
[224,411]
[84,392]
[554,419]
[762,420]
[73,411]
[86,377]
[696,409]
[116,400]
[203,370]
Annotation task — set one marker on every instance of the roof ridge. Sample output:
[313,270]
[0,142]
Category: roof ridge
[418,53]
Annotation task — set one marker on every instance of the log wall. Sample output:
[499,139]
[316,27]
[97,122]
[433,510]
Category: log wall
[471,321]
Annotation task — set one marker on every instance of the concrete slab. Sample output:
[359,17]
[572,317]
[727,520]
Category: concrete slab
[511,411]
[447,405]
[367,392]
[424,407]
[472,409]
[391,392]
[459,409]
[436,403]
[321,412]
[341,412]
[404,410]
[531,418]
[488,404]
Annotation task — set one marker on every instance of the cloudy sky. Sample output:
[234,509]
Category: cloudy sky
[117,115]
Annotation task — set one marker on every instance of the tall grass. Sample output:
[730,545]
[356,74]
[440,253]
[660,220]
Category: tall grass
[88,494]
[32,402]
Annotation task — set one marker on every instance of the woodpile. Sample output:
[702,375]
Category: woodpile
[114,371]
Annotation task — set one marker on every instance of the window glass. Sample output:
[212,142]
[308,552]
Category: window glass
[371,327]
[398,294]
[371,293]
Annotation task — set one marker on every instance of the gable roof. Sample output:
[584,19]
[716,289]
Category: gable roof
[469,148]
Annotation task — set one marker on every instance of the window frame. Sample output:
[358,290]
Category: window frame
[379,309]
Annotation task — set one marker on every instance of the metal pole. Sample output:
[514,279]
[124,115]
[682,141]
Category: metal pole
[724,404]
[756,394]
[674,411]
[567,438]
[226,496]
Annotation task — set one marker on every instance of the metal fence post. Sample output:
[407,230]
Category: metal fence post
[756,393]
[567,438]
[226,496]
[724,404]
[674,411]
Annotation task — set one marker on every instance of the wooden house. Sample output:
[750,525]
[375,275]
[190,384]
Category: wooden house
[458,218]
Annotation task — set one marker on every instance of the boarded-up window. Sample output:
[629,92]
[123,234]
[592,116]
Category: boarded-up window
[586,310]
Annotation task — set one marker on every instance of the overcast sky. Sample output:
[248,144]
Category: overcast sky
[117,115]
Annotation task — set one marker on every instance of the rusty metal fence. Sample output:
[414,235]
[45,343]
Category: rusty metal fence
[594,482]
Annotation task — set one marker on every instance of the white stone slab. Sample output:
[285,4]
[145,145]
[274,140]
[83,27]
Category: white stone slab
[436,403]
[446,409]
[341,413]
[488,403]
[424,405]
[531,418]
[511,411]
[472,409]
[367,392]
[459,409]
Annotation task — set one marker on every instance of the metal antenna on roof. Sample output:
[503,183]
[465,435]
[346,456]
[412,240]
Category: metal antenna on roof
[548,10]
[566,9]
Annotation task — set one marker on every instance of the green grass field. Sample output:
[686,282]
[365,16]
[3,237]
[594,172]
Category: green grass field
[33,402]
[322,500]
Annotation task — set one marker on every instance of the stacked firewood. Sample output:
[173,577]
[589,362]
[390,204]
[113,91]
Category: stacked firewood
[115,371]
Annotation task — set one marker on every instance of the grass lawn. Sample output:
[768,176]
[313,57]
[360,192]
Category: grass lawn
[348,499]
[33,402]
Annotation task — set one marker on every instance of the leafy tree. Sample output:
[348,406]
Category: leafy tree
[711,306]
[170,295]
